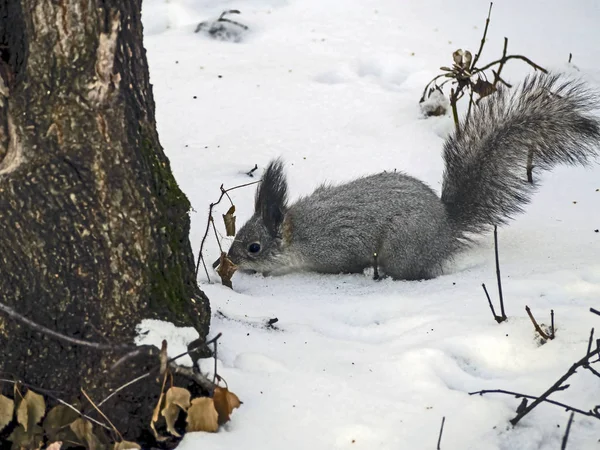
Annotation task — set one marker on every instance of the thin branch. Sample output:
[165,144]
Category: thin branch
[595,311]
[566,436]
[116,391]
[189,373]
[589,349]
[556,386]
[497,318]
[453,100]
[552,330]
[523,58]
[102,414]
[429,84]
[47,331]
[210,211]
[441,431]
[535,324]
[537,401]
[498,273]
[485,30]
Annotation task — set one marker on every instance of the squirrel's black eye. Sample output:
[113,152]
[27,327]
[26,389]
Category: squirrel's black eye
[254,247]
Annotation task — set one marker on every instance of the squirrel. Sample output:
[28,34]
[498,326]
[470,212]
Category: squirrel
[398,222]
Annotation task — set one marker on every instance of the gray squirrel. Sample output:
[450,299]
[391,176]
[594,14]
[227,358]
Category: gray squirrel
[412,231]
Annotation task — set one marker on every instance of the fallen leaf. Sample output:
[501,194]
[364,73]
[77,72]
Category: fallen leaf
[202,415]
[54,446]
[229,220]
[177,399]
[226,270]
[83,429]
[30,440]
[57,421]
[31,410]
[7,411]
[126,445]
[225,402]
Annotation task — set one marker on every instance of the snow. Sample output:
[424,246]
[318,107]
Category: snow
[333,88]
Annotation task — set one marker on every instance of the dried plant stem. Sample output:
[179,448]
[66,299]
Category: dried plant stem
[47,331]
[498,273]
[439,442]
[102,414]
[567,431]
[224,193]
[485,30]
[558,386]
[532,397]
[535,324]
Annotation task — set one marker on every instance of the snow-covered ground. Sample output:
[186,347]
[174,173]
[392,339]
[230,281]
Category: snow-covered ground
[333,86]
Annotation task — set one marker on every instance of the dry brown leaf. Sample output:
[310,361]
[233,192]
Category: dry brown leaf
[83,429]
[30,440]
[177,399]
[226,270]
[225,403]
[126,445]
[156,411]
[202,415]
[57,421]
[54,446]
[31,410]
[7,411]
[229,220]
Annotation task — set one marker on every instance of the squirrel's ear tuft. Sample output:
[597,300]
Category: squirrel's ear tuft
[271,196]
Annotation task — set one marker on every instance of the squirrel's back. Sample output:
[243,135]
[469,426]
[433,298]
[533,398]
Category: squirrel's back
[389,214]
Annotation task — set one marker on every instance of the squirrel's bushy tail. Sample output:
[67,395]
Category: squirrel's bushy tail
[546,120]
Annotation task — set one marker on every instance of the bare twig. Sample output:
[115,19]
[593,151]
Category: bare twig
[589,349]
[595,311]
[523,58]
[497,318]
[120,388]
[188,372]
[566,436]
[498,273]
[440,435]
[250,173]
[47,331]
[487,24]
[532,397]
[224,192]
[552,330]
[453,99]
[102,414]
[535,324]
[557,386]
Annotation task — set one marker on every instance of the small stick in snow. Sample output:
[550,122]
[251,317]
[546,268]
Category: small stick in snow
[590,413]
[250,173]
[441,431]
[498,273]
[375,267]
[536,326]
[497,318]
[559,386]
[566,436]
[595,311]
[552,333]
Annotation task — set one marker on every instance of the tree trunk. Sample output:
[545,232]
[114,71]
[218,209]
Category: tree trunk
[93,227]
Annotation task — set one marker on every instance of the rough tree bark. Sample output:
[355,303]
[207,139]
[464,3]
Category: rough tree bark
[93,227]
